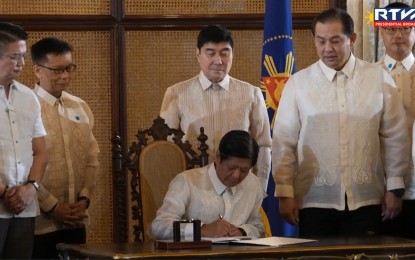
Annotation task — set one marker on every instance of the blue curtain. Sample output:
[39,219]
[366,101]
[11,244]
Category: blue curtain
[278,64]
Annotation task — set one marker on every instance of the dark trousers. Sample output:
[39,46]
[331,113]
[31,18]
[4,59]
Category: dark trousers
[331,222]
[16,238]
[404,224]
[45,245]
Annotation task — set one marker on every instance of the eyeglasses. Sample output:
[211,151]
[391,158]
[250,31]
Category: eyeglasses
[69,69]
[15,57]
[393,30]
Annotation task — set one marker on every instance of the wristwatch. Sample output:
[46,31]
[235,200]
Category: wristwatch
[398,192]
[86,199]
[34,183]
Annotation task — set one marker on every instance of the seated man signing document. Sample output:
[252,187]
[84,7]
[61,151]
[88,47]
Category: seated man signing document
[225,195]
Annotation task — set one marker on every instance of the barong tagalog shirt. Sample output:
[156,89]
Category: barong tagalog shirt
[72,154]
[230,105]
[403,73]
[333,132]
[199,194]
[21,122]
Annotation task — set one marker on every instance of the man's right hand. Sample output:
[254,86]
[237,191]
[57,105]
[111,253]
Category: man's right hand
[219,228]
[289,210]
[66,215]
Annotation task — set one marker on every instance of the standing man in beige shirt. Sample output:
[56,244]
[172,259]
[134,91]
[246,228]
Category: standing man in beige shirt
[72,149]
[399,63]
[219,102]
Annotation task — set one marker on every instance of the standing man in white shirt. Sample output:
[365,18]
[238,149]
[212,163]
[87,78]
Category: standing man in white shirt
[399,63]
[72,151]
[22,148]
[224,195]
[340,122]
[218,102]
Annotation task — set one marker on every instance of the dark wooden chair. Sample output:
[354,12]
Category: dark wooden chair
[153,161]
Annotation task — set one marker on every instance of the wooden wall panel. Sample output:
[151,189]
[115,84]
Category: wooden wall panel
[184,7]
[308,6]
[55,7]
[202,7]
[304,50]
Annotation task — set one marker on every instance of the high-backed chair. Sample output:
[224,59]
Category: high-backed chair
[153,162]
[159,163]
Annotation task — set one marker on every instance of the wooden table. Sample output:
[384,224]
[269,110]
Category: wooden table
[368,247]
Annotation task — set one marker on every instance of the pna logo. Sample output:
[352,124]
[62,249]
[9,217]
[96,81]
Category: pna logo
[395,17]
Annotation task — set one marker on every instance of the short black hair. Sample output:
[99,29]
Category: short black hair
[10,33]
[240,144]
[49,45]
[335,14]
[397,5]
[214,33]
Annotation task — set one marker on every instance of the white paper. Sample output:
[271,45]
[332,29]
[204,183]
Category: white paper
[224,240]
[274,241]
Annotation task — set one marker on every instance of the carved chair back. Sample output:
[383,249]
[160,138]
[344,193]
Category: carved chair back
[153,160]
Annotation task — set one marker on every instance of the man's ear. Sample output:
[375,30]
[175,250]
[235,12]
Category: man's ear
[353,38]
[36,70]
[217,157]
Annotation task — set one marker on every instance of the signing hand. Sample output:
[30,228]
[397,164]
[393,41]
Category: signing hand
[220,228]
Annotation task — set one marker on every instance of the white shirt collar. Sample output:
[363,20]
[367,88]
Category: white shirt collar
[217,184]
[13,85]
[407,62]
[207,83]
[347,69]
[50,99]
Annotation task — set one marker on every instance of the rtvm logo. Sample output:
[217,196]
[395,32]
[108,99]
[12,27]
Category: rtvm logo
[396,17]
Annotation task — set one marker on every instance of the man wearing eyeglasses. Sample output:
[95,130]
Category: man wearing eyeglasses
[22,148]
[399,63]
[72,150]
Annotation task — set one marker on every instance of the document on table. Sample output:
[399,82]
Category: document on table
[274,241]
[226,240]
